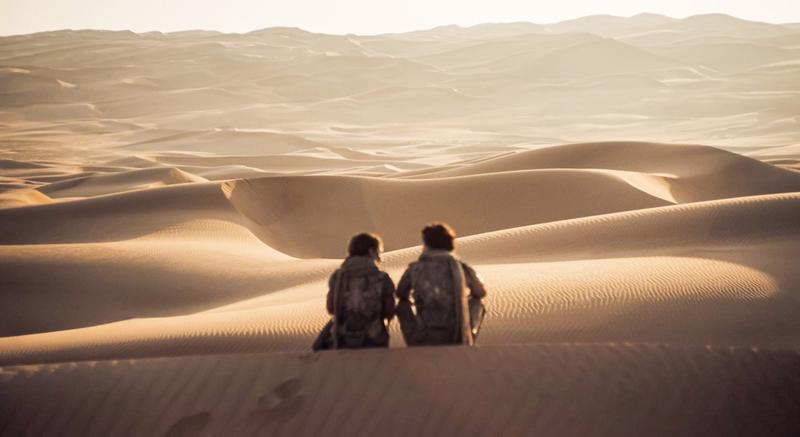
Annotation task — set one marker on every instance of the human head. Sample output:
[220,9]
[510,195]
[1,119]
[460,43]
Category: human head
[439,236]
[365,244]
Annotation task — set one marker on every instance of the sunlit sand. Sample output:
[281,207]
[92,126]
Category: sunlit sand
[171,206]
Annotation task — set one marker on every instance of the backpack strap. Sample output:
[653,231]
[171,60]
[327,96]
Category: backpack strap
[337,287]
[461,303]
[414,268]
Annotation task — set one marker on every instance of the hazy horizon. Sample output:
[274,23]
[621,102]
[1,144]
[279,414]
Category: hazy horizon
[352,17]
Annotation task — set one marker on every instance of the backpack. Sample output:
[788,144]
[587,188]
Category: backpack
[359,303]
[435,294]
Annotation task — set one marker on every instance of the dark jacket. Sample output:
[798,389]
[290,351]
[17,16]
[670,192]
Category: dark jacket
[415,331]
[362,266]
[473,281]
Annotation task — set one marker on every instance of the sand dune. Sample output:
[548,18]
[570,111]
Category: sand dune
[495,49]
[231,140]
[593,58]
[714,55]
[286,163]
[172,204]
[382,205]
[19,195]
[123,181]
[721,263]
[611,24]
[544,389]
[115,217]
[300,84]
[688,173]
[395,208]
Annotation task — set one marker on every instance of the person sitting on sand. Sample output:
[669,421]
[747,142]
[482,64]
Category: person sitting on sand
[438,283]
[360,299]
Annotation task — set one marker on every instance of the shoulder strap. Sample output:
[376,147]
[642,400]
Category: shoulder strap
[461,303]
[337,287]
[414,269]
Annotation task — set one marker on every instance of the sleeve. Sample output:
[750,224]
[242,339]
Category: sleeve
[404,286]
[388,298]
[331,285]
[474,282]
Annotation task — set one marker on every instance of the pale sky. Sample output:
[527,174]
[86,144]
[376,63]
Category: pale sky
[349,16]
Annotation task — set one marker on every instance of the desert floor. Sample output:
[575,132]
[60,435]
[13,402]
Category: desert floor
[171,206]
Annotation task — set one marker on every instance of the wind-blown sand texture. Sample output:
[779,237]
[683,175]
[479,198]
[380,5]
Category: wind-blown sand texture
[171,206]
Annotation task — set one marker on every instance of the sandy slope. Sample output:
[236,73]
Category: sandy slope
[565,389]
[723,274]
[172,205]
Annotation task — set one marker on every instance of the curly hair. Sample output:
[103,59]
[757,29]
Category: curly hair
[439,236]
[361,244]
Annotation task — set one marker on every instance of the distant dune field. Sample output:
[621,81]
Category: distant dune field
[171,206]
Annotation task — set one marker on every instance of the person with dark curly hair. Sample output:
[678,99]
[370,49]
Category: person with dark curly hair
[439,294]
[360,299]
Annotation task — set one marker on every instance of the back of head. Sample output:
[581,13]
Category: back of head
[439,236]
[362,244]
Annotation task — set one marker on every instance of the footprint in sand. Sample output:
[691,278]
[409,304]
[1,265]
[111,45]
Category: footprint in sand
[194,425]
[281,403]
[310,357]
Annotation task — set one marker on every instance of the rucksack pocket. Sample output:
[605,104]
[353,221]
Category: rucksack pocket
[437,317]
